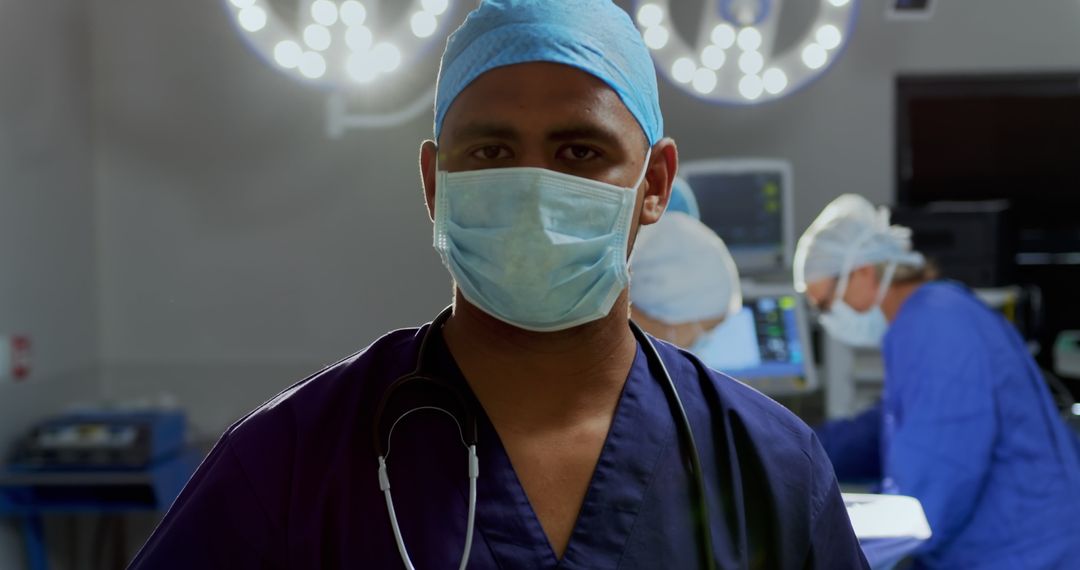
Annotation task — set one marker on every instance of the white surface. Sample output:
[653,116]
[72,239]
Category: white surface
[886,516]
[1067,354]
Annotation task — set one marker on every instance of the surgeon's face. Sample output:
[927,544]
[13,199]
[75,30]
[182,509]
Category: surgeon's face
[862,290]
[555,117]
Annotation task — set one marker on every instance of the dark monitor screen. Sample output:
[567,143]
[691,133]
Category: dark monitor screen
[761,341]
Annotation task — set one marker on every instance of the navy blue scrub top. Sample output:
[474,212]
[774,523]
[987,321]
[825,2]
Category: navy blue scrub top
[294,483]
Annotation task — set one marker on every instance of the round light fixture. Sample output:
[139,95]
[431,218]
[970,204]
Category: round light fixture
[736,60]
[338,45]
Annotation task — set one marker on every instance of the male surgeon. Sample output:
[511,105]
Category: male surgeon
[548,156]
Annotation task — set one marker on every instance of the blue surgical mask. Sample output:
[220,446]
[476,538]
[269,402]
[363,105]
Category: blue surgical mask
[535,248]
[864,330]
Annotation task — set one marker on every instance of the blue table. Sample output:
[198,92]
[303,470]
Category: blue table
[30,494]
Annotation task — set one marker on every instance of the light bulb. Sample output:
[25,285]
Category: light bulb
[828,36]
[683,70]
[750,86]
[288,53]
[657,37]
[324,12]
[751,62]
[252,18]
[814,56]
[317,37]
[423,24]
[723,36]
[650,15]
[387,57]
[359,38]
[704,80]
[353,13]
[749,39]
[775,80]
[713,57]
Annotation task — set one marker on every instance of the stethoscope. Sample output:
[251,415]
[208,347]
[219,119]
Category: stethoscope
[421,379]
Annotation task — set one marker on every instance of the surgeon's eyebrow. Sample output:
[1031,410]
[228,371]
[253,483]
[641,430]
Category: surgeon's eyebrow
[585,132]
[475,131]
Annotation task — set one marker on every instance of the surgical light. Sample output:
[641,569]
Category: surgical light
[751,62]
[814,56]
[252,18]
[774,80]
[423,24]
[650,15]
[683,70]
[435,7]
[749,39]
[723,36]
[317,37]
[828,36]
[321,25]
[287,54]
[657,37]
[762,67]
[324,12]
[704,80]
[713,57]
[359,38]
[751,86]
[353,13]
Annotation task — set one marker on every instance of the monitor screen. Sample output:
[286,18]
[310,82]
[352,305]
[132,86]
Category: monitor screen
[761,341]
[746,202]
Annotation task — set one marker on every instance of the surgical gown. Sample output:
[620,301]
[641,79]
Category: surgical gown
[294,484]
[969,428]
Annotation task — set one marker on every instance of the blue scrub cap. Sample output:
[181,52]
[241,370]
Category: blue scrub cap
[595,36]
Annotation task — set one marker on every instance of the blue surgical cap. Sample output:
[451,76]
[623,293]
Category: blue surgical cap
[595,36]
[682,199]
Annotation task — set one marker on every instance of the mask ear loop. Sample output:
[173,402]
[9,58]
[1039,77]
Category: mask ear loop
[848,264]
[644,171]
[886,282]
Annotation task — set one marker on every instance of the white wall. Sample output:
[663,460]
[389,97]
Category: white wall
[48,281]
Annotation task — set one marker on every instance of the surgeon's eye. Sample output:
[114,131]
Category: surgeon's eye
[576,152]
[491,152]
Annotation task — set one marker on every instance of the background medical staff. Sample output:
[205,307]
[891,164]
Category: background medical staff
[683,280]
[967,424]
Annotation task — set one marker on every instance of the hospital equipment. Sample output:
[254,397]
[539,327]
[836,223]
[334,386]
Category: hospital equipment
[972,242]
[464,414]
[749,204]
[107,462]
[767,344]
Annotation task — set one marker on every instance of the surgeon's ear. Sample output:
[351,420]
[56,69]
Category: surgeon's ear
[429,153]
[659,178]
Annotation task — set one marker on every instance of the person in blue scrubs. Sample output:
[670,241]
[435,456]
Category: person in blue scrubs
[548,156]
[967,424]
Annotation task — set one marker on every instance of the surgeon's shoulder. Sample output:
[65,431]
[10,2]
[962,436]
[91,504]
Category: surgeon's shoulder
[938,314]
[335,395]
[760,416]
